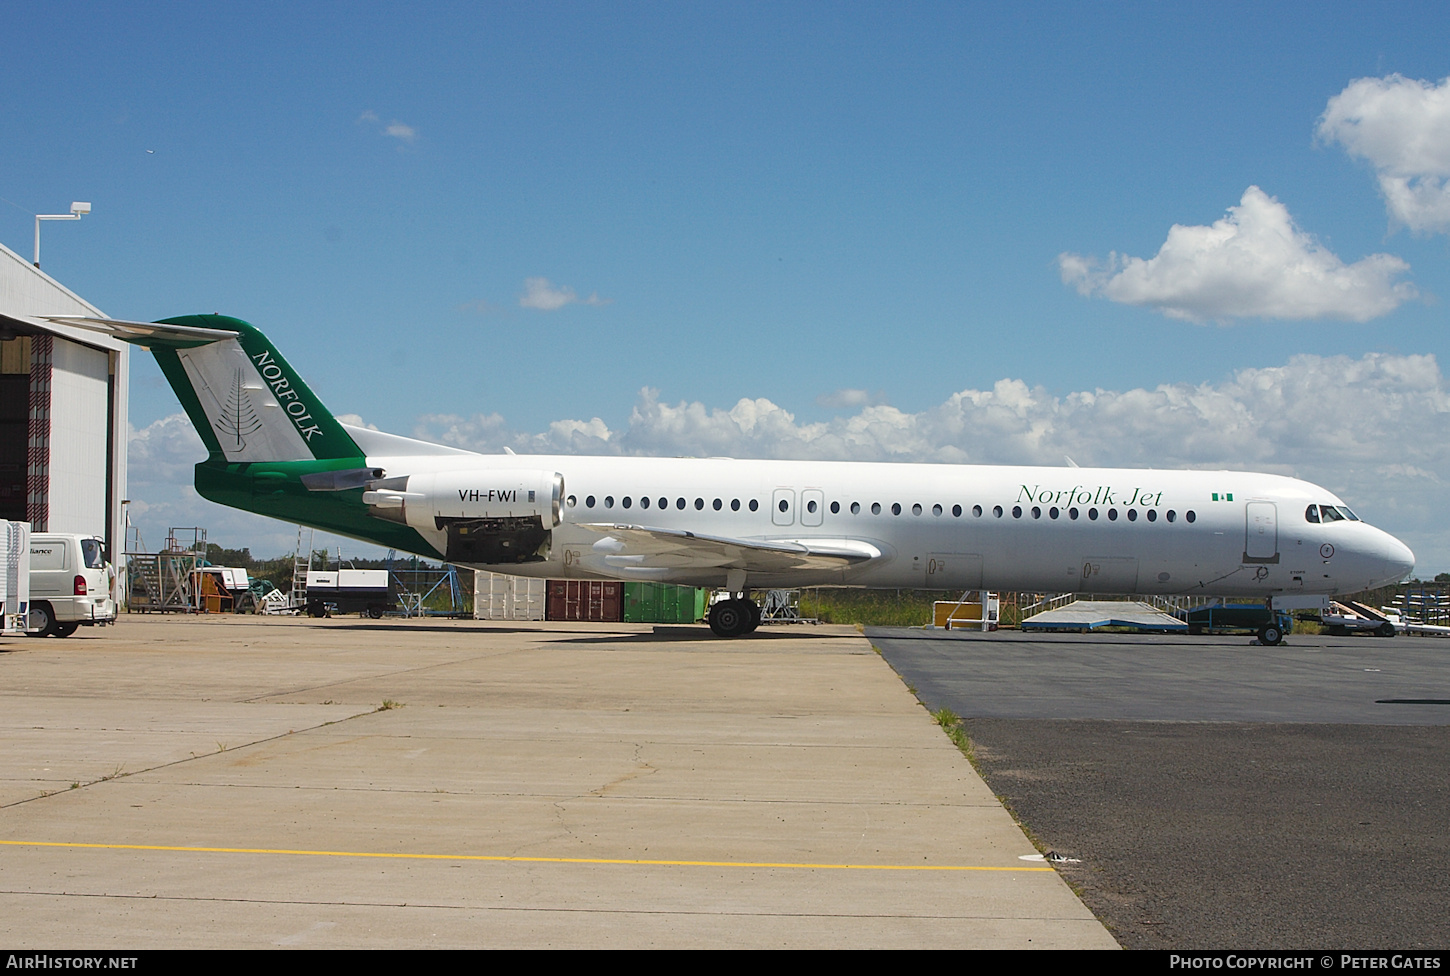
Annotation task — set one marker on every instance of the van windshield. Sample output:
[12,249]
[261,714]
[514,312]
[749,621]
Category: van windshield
[93,553]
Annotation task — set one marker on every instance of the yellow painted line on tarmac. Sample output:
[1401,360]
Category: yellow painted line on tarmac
[521,859]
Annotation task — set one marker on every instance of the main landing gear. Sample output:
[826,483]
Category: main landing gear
[735,617]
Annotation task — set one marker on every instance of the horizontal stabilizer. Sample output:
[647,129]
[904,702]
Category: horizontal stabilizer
[145,333]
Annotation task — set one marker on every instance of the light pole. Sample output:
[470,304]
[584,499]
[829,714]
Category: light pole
[76,210]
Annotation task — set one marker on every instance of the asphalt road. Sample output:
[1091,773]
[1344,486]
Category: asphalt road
[1215,793]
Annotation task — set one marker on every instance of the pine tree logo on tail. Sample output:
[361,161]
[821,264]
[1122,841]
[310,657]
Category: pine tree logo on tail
[238,415]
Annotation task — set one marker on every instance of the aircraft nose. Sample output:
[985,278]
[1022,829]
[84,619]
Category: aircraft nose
[1395,557]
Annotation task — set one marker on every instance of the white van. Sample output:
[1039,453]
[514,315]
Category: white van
[70,584]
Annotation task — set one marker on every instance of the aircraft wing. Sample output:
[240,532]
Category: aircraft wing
[679,549]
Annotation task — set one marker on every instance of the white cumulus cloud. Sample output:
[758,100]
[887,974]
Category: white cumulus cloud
[1401,127]
[1329,419]
[1253,263]
[844,398]
[394,129]
[540,294]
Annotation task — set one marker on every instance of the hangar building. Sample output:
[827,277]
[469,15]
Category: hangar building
[63,423]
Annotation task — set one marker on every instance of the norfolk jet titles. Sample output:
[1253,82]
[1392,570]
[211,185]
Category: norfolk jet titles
[1083,495]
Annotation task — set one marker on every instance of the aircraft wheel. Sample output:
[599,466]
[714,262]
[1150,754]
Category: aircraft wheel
[730,618]
[316,610]
[1271,634]
[1386,629]
[375,613]
[754,609]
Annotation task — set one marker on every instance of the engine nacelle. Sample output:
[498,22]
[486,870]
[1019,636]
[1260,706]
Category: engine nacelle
[490,516]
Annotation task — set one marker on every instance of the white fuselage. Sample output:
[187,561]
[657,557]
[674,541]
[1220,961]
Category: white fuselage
[1225,533]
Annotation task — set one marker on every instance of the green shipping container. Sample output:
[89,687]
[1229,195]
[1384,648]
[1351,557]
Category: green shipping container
[663,603]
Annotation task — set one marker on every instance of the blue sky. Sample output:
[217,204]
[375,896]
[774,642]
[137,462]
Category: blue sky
[851,213]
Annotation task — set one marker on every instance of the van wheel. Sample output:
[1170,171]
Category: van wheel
[65,630]
[42,620]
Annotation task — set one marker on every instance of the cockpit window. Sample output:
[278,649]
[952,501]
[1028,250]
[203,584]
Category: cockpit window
[1330,514]
[1344,510]
[1311,514]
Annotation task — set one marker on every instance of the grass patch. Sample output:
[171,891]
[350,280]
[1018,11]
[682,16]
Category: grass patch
[388,705]
[951,724]
[884,608]
[871,608]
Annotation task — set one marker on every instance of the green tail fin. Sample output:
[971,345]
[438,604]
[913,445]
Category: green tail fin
[243,397]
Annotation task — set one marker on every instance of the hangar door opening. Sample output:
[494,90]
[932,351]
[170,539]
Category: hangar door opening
[14,428]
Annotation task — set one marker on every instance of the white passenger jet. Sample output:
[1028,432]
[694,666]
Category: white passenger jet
[739,525]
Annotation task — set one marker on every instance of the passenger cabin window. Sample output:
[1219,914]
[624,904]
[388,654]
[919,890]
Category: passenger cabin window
[754,505]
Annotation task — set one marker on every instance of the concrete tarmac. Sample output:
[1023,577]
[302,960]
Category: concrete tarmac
[253,782]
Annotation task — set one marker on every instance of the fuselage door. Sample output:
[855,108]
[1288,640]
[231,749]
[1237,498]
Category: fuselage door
[953,570]
[782,508]
[1261,534]
[813,504]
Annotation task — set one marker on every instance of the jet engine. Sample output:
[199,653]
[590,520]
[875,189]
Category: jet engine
[489,516]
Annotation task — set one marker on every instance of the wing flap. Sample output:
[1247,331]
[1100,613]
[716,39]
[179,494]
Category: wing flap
[649,546]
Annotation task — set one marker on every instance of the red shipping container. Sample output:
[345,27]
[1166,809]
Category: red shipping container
[585,600]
